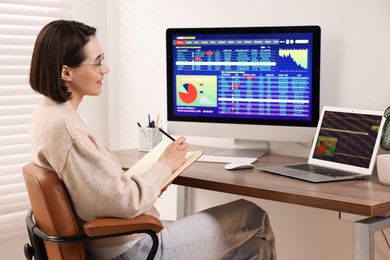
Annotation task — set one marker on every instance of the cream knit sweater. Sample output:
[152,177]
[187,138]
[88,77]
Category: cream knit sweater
[62,142]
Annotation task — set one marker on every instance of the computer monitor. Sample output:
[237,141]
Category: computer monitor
[253,84]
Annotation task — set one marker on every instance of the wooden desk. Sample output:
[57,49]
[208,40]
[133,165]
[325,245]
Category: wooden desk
[362,197]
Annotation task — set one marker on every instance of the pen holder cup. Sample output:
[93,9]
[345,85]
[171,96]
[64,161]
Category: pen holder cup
[148,138]
[383,168]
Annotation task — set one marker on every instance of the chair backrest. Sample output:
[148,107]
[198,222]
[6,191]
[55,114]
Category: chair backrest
[52,211]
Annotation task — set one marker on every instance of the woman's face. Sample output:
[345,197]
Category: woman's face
[87,79]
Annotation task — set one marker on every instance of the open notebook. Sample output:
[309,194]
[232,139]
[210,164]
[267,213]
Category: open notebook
[344,147]
[144,164]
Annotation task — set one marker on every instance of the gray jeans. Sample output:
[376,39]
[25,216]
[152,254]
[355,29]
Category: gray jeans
[236,230]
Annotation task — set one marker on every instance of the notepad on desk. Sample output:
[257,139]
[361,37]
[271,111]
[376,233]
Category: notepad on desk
[144,164]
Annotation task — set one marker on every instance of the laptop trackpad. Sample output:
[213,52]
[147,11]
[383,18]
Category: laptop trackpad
[306,176]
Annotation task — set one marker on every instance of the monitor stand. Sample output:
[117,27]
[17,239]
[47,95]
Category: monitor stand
[246,148]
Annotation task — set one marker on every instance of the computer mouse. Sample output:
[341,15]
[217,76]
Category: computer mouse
[238,166]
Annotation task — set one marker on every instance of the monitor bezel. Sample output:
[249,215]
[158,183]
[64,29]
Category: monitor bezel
[315,30]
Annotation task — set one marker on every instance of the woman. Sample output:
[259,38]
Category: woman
[68,64]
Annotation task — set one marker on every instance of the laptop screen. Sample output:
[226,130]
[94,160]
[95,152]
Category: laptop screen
[347,138]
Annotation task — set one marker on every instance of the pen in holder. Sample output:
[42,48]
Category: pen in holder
[148,138]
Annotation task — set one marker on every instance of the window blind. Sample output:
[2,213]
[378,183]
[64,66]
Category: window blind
[20,22]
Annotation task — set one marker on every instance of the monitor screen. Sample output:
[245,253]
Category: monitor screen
[247,77]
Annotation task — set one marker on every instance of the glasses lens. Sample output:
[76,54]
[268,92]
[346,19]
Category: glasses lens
[102,64]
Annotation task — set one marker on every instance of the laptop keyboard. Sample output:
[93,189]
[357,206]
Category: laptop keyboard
[321,170]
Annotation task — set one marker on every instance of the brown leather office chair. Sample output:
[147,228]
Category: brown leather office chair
[52,223]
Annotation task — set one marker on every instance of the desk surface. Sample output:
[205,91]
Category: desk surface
[362,197]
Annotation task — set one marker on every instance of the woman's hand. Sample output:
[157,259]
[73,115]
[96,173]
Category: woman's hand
[174,154]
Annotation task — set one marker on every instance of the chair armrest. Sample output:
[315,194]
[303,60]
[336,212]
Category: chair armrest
[109,226]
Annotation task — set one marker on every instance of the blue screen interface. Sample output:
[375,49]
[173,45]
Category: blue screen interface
[245,76]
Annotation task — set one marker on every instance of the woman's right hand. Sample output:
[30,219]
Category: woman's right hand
[174,154]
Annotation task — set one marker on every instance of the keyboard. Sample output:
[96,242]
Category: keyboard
[321,170]
[225,159]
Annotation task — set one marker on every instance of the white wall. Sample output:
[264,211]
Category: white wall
[355,55]
[355,37]
[354,73]
[94,109]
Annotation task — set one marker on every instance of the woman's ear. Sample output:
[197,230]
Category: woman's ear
[65,73]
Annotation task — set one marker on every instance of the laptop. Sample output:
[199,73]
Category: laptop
[344,147]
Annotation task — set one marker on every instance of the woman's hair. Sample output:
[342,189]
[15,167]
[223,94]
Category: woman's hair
[59,43]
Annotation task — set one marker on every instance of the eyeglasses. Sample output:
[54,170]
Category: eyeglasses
[100,65]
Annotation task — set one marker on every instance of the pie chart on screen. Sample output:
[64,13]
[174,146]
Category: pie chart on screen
[321,148]
[188,93]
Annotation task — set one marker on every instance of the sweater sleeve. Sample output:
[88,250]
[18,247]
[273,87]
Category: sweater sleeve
[98,188]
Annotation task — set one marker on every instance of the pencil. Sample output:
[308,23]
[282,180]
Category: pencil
[143,131]
[166,134]
[157,120]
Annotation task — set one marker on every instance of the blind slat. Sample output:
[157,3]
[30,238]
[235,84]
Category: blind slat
[26,30]
[10,179]
[11,70]
[16,110]
[16,90]
[13,80]
[19,100]
[12,10]
[13,130]
[21,20]
[15,207]
[15,159]
[13,199]
[16,39]
[14,60]
[14,49]
[11,169]
[14,120]
[22,206]
[37,3]
[12,189]
[15,149]
[11,223]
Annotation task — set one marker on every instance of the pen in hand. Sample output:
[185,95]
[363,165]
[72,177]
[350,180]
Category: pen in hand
[166,134]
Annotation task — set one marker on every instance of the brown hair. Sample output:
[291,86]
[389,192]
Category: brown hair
[59,43]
